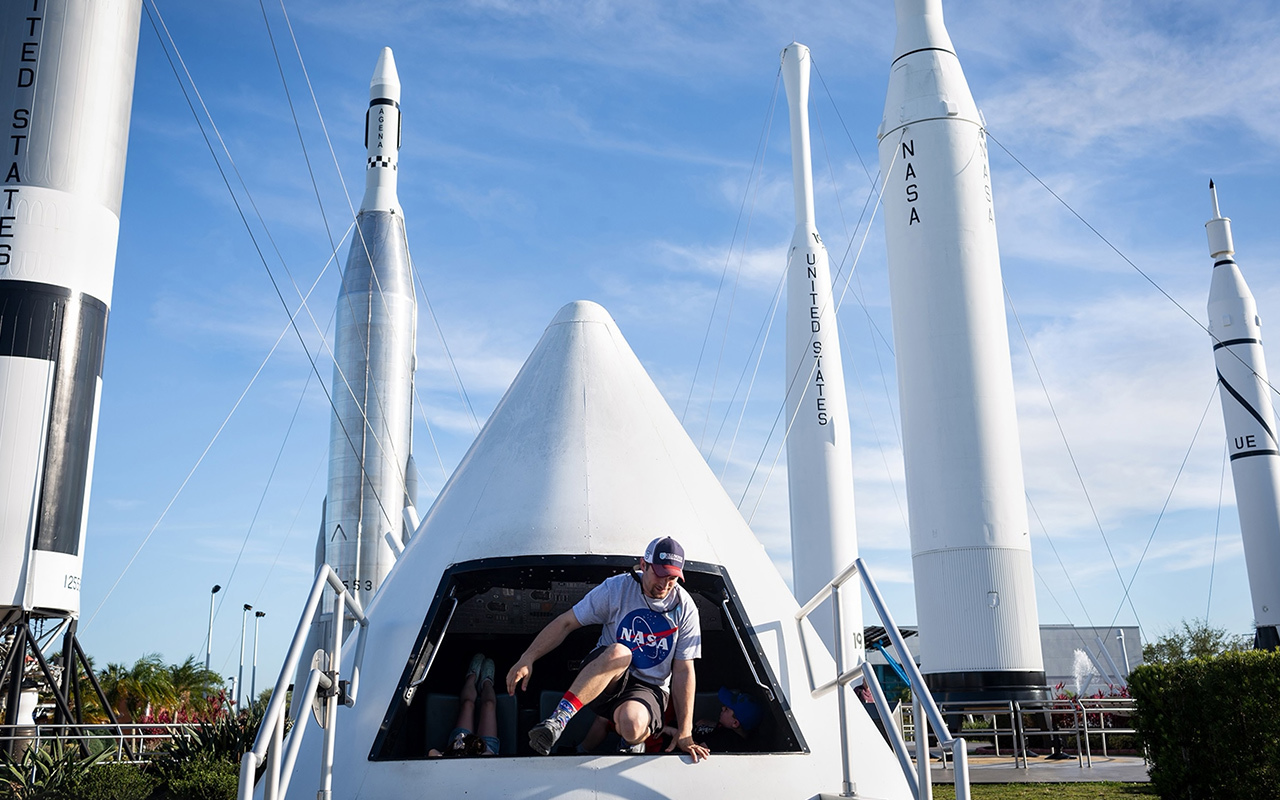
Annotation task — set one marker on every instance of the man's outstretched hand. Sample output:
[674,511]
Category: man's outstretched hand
[686,743]
[519,673]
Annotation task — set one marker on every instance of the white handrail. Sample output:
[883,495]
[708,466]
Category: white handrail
[270,740]
[844,677]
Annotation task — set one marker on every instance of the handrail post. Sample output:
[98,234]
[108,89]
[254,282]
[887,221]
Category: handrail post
[331,700]
[299,728]
[1088,748]
[1102,726]
[248,765]
[1075,715]
[960,760]
[272,791]
[846,784]
[921,722]
[1022,735]
[891,732]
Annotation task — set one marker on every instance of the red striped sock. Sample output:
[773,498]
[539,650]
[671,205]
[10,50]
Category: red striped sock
[567,707]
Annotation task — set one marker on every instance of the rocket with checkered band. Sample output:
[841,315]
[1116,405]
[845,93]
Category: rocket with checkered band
[372,479]
[66,91]
[971,553]
[824,537]
[1250,421]
[382,137]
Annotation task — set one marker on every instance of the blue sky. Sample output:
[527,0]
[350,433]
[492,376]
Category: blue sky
[558,150]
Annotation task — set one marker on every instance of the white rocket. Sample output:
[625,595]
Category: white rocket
[971,554]
[66,123]
[371,472]
[819,441]
[1250,420]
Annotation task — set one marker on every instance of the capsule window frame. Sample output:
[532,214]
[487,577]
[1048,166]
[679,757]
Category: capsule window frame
[462,581]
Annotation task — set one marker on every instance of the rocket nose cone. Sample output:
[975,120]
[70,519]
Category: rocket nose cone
[794,52]
[386,81]
[920,27]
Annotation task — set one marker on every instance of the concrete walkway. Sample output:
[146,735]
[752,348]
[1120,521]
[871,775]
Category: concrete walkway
[989,769]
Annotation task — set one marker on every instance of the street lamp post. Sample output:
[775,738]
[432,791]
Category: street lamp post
[244,624]
[208,648]
[253,680]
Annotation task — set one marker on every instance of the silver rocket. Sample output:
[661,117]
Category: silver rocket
[1250,420]
[819,440]
[66,122]
[971,553]
[370,468]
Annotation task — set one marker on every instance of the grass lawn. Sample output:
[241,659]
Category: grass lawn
[1051,791]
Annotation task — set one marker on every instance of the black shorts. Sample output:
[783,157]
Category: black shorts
[628,687]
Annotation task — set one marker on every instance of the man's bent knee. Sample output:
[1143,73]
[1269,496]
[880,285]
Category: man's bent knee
[616,655]
[632,721]
[612,660]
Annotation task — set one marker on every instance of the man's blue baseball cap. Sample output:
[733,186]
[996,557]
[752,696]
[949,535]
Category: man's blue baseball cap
[667,557]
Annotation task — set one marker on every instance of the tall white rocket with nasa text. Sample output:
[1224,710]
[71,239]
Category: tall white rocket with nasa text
[67,124]
[971,553]
[1250,419]
[372,478]
[819,441]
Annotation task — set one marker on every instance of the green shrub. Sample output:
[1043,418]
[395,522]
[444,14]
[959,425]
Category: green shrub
[48,772]
[1210,725]
[224,739]
[114,781]
[201,779]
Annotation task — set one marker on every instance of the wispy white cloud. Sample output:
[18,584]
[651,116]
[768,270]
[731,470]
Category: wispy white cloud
[757,268]
[1129,78]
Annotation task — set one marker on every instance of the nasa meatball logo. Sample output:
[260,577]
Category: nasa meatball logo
[648,635]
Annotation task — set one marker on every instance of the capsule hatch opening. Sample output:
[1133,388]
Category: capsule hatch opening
[496,606]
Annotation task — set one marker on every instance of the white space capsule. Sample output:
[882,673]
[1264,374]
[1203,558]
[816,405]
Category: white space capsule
[579,466]
[1250,419]
[66,123]
[975,590]
[370,468]
[819,444]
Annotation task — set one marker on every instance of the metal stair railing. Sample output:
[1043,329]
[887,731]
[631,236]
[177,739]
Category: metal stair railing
[920,785]
[271,746]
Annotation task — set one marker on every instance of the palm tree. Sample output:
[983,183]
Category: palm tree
[136,691]
[196,690]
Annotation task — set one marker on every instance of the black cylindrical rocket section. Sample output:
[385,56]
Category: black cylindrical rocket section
[66,79]
[1250,419]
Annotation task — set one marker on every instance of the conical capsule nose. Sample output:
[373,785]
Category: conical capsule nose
[386,81]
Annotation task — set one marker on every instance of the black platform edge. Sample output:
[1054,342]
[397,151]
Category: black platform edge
[993,686]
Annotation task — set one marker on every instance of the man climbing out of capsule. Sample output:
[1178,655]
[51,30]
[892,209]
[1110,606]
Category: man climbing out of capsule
[649,639]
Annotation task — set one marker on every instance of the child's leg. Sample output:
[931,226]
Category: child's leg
[488,711]
[467,702]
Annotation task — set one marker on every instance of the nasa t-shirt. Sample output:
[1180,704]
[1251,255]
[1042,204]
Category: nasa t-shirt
[656,631]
